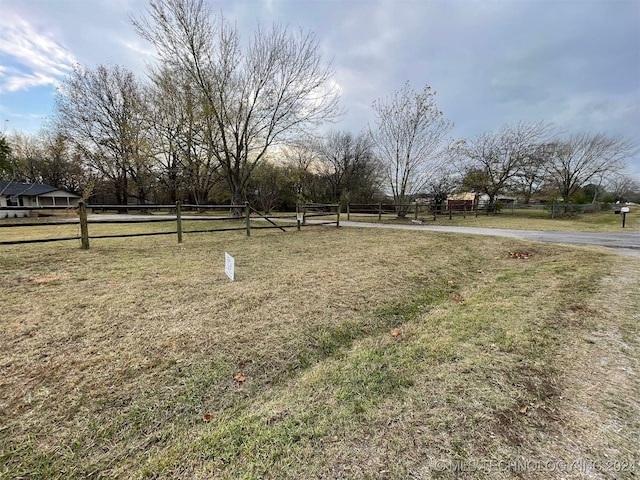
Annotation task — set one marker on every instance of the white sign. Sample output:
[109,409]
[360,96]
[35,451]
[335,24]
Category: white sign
[300,216]
[624,209]
[229,266]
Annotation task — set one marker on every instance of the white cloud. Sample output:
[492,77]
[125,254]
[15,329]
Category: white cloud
[15,81]
[139,47]
[35,58]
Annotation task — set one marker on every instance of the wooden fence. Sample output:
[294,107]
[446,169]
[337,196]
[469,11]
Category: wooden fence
[463,208]
[318,210]
[244,213]
[380,209]
[419,210]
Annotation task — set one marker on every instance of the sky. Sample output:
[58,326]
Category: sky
[572,63]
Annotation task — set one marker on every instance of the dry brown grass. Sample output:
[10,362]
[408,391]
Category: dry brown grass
[113,356]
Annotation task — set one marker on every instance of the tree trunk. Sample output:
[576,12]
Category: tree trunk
[237,196]
[401,206]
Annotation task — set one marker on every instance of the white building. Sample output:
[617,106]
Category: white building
[34,195]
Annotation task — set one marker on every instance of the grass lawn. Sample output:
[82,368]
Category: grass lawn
[336,353]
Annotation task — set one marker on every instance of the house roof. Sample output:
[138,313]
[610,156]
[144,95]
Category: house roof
[28,189]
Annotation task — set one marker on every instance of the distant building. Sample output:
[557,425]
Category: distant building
[507,200]
[34,195]
[462,202]
[469,201]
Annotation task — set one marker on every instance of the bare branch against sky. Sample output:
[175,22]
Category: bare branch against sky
[573,64]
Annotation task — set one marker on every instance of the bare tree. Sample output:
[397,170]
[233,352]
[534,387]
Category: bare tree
[580,158]
[498,158]
[442,185]
[185,148]
[409,136]
[532,177]
[302,158]
[272,186]
[24,151]
[623,187]
[47,157]
[100,111]
[348,165]
[253,98]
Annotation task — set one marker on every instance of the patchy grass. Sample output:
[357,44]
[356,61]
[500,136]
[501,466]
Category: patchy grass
[366,354]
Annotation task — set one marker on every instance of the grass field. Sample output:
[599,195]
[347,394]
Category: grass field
[336,353]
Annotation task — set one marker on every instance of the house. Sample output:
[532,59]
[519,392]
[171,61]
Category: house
[462,202]
[34,195]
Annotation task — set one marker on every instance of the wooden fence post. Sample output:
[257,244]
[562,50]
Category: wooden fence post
[298,215]
[380,211]
[348,212]
[450,211]
[179,220]
[415,214]
[338,215]
[248,216]
[84,226]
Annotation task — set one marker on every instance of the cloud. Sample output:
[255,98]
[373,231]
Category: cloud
[31,57]
[138,47]
[14,80]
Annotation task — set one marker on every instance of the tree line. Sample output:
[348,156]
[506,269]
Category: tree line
[223,119]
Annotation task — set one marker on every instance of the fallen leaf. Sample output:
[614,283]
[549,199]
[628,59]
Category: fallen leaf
[207,417]
[396,332]
[458,298]
[450,282]
[523,410]
[521,255]
[240,378]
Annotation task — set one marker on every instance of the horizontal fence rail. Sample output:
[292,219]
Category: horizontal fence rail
[464,208]
[175,215]
[318,210]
